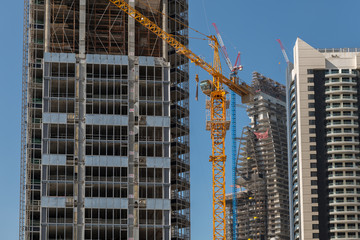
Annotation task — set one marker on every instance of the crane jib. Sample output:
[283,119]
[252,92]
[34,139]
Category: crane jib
[242,90]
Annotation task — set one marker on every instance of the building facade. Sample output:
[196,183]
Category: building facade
[323,119]
[105,123]
[262,203]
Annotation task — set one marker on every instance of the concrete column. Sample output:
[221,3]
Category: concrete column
[47,24]
[165,28]
[133,227]
[81,101]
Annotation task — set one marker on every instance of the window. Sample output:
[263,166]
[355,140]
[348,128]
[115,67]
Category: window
[312,139]
[310,88]
[314,191]
[310,80]
[316,235]
[336,113]
[339,182]
[340,234]
[349,182]
[333,71]
[312,165]
[339,191]
[337,130]
[338,165]
[312,156]
[313,182]
[315,217]
[311,122]
[345,71]
[310,71]
[311,105]
[349,164]
[312,147]
[311,96]
[314,209]
[340,208]
[314,200]
[311,113]
[341,226]
[315,226]
[351,234]
[313,174]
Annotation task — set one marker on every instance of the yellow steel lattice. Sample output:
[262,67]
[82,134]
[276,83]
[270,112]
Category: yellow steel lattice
[218,157]
[242,90]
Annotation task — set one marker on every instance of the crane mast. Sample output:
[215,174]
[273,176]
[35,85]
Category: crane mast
[218,128]
[218,124]
[233,74]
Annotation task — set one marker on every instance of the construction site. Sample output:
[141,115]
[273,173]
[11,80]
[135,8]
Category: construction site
[109,152]
[262,204]
[105,130]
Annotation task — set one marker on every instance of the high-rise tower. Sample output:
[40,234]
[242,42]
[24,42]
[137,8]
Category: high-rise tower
[262,203]
[105,124]
[323,118]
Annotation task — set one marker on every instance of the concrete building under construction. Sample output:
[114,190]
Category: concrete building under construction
[105,123]
[262,172]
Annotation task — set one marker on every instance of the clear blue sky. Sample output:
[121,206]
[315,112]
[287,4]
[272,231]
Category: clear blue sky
[248,26]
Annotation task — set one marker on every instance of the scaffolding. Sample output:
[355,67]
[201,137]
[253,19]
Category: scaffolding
[180,146]
[53,65]
[260,83]
[23,153]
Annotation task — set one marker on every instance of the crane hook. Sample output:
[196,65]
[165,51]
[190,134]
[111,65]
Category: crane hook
[197,87]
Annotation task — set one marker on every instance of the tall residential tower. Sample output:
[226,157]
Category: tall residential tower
[323,93]
[105,123]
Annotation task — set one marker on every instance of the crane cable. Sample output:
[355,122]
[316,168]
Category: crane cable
[206,18]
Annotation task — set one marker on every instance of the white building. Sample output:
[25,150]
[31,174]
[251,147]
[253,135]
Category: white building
[323,122]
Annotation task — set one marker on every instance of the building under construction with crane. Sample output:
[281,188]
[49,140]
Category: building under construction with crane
[105,122]
[262,173]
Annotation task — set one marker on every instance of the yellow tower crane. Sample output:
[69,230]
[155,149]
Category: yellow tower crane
[218,124]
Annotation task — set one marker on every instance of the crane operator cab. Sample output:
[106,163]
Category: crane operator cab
[206,87]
